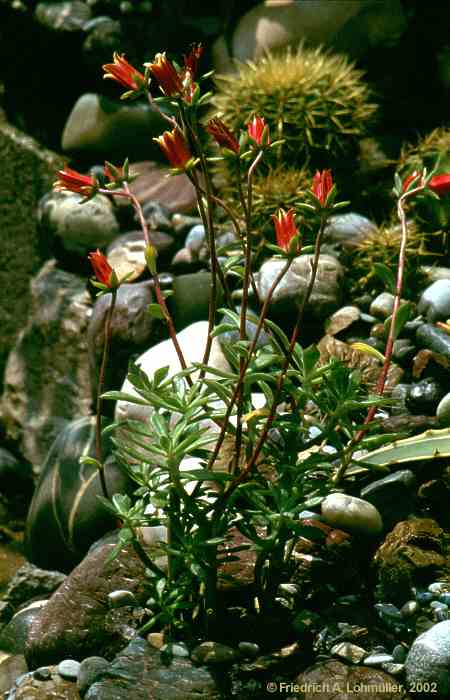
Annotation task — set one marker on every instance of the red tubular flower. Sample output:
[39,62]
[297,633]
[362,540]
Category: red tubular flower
[223,136]
[174,147]
[256,129]
[285,228]
[192,59]
[440,184]
[322,185]
[71,180]
[124,73]
[102,269]
[166,75]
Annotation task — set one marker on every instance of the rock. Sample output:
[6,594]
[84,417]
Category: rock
[333,679]
[63,16]
[342,319]
[249,649]
[423,397]
[192,342]
[119,598]
[348,230]
[176,193]
[30,582]
[436,273]
[195,239]
[412,552]
[274,25]
[91,670]
[428,661]
[77,228]
[139,672]
[28,687]
[47,379]
[75,620]
[443,411]
[409,608]
[190,300]
[382,305]
[288,295]
[99,126]
[14,635]
[103,36]
[69,669]
[126,254]
[27,173]
[65,503]
[16,483]
[435,339]
[352,514]
[348,652]
[393,496]
[377,659]
[213,653]
[434,302]
[132,330]
[11,667]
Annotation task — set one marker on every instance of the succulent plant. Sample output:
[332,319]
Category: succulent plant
[315,100]
[382,246]
[431,151]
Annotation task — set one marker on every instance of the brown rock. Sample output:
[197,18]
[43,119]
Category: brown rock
[414,552]
[75,624]
[28,171]
[334,680]
[176,192]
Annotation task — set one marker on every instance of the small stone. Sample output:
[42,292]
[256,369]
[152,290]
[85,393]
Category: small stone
[424,597]
[388,612]
[176,649]
[378,659]
[349,230]
[42,674]
[89,672]
[352,514]
[118,599]
[439,587]
[69,669]
[156,639]
[349,652]
[342,319]
[288,590]
[425,396]
[434,303]
[443,411]
[399,653]
[437,605]
[382,305]
[212,653]
[445,598]
[409,608]
[423,624]
[195,238]
[433,338]
[249,649]
[392,668]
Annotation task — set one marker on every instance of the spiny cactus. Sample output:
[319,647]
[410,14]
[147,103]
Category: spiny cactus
[314,100]
[382,246]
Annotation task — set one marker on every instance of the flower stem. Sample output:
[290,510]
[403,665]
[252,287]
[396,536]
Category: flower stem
[100,387]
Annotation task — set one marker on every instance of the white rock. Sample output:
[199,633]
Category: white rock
[352,514]
[192,342]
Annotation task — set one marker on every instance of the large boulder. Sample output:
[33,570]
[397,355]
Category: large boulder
[47,378]
[27,173]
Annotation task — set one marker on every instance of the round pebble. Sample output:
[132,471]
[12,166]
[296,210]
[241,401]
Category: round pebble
[120,598]
[438,587]
[392,668]
[249,649]
[69,669]
[388,612]
[42,674]
[176,649]
[409,608]
[213,653]
[424,597]
[445,598]
[399,653]
[378,659]
[90,670]
[349,652]
[352,514]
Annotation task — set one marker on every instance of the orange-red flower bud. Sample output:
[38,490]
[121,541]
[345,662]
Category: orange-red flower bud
[124,73]
[407,181]
[174,147]
[166,75]
[71,180]
[322,185]
[285,228]
[440,184]
[223,136]
[102,269]
[258,131]
[192,59]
